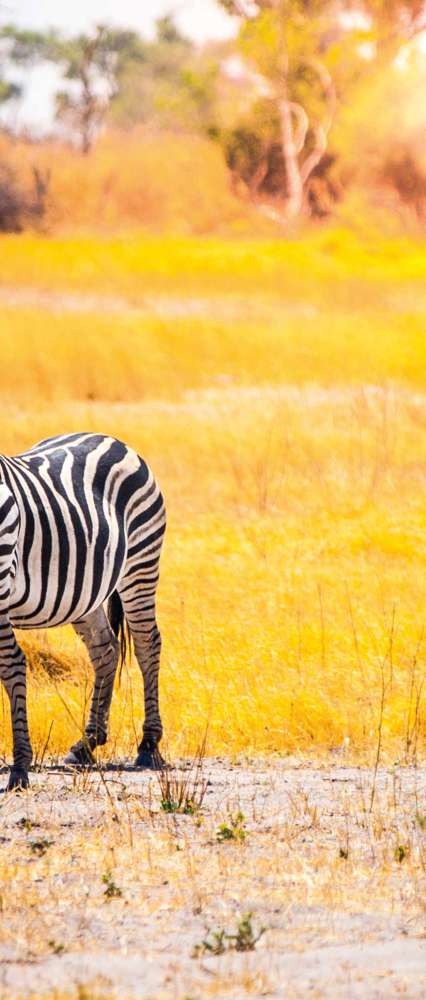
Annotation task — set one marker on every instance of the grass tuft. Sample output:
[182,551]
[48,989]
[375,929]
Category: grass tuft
[217,942]
[183,791]
[233,829]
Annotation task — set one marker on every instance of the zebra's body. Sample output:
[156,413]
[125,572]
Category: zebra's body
[81,520]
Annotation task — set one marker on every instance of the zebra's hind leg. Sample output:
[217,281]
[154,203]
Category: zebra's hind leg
[139,608]
[13,675]
[103,649]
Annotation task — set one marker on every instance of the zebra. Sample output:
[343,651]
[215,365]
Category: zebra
[82,521]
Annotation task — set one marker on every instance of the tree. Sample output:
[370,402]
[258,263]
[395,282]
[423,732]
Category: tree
[11,198]
[288,42]
[93,64]
[8,90]
[116,75]
[310,54]
[92,68]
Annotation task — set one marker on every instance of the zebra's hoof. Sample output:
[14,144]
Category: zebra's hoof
[18,780]
[80,756]
[151,760]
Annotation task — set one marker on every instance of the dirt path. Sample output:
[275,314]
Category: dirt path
[103,889]
[162,306]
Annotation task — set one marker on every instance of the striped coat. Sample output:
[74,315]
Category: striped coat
[81,524]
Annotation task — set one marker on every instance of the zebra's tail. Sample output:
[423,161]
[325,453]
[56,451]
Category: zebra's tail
[117,620]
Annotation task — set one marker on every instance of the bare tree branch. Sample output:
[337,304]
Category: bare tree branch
[320,131]
[302,123]
[312,161]
[328,88]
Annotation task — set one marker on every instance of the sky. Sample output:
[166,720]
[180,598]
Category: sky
[199,19]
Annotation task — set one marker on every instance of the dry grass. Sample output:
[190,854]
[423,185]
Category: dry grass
[133,180]
[289,438]
[278,392]
[293,572]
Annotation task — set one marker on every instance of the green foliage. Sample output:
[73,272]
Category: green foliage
[261,41]
[25,823]
[30,46]
[234,829]
[97,64]
[401,852]
[25,46]
[246,939]
[57,947]
[94,62]
[8,91]
[176,88]
[168,33]
[183,793]
[112,891]
[119,74]
[188,807]
[217,942]
[213,944]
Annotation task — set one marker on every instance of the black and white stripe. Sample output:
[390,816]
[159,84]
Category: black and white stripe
[81,523]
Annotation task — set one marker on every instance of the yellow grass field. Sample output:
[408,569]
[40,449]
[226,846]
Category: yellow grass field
[278,390]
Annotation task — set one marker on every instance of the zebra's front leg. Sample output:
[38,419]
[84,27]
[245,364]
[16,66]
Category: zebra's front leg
[13,675]
[103,649]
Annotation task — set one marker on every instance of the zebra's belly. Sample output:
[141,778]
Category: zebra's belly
[40,602]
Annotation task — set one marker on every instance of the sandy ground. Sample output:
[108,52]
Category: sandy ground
[163,306]
[103,891]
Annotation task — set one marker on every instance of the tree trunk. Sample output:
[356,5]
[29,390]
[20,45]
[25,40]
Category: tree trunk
[290,154]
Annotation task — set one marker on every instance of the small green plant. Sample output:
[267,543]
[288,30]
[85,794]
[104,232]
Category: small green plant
[188,807]
[58,949]
[213,944]
[246,939]
[26,823]
[217,942]
[184,793]
[401,852]
[112,891]
[40,846]
[234,829]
